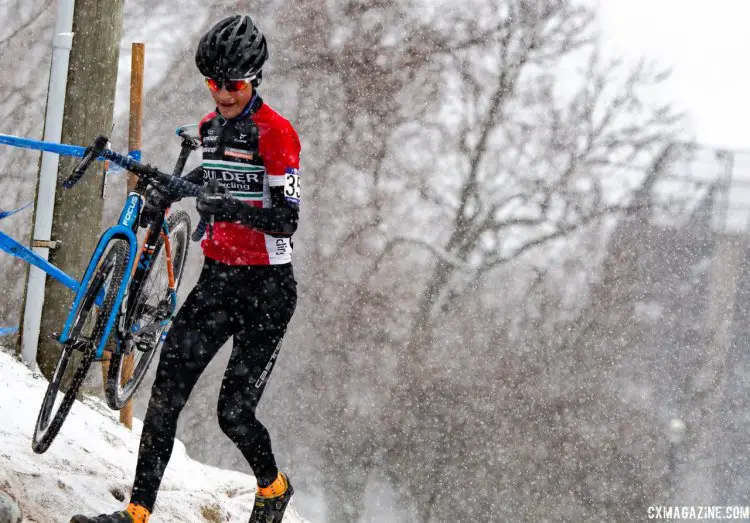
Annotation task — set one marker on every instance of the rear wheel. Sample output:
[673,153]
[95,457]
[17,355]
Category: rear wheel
[79,351]
[152,314]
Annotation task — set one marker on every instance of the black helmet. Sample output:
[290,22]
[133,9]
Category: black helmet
[232,49]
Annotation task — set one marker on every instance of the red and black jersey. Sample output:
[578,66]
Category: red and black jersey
[256,157]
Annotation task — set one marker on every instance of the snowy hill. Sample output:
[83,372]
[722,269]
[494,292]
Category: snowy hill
[90,466]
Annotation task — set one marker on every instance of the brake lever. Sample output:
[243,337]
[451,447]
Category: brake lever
[212,190]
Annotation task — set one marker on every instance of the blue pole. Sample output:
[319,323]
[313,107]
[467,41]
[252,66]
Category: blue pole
[28,143]
[5,331]
[14,248]
[11,246]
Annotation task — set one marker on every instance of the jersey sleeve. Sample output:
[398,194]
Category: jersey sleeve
[282,163]
[280,152]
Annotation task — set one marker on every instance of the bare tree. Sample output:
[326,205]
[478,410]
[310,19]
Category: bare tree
[363,70]
[523,158]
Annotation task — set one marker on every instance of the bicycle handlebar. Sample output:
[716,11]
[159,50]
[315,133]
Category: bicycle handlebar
[173,183]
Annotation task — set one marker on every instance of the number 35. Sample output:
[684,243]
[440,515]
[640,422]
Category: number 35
[291,186]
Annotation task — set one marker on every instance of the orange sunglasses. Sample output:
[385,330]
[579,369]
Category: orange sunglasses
[231,85]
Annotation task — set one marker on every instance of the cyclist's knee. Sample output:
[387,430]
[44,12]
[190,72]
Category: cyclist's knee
[236,414]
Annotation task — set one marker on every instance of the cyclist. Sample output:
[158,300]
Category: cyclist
[246,289]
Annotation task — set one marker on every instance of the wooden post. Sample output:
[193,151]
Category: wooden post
[126,413]
[137,63]
[89,105]
[136,104]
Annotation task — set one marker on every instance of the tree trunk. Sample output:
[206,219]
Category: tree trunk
[89,104]
[421,330]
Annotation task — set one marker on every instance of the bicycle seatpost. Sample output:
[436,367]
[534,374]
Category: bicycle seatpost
[188,145]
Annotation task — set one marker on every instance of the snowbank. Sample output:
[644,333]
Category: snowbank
[90,465]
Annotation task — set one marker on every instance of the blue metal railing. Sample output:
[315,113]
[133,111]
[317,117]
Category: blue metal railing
[22,252]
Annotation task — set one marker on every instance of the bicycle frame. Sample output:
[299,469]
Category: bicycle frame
[134,274]
[125,229]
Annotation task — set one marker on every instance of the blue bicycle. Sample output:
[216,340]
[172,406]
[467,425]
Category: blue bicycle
[128,295]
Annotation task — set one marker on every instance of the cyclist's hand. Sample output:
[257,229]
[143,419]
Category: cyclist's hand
[217,202]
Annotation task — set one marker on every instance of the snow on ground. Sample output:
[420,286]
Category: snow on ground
[90,465]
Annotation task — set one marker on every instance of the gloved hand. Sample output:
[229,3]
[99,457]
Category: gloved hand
[217,202]
[159,196]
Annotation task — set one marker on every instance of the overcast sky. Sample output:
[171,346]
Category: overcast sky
[707,43]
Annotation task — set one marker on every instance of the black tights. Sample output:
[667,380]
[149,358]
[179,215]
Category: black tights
[252,303]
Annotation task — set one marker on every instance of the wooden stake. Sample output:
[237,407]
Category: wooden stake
[137,65]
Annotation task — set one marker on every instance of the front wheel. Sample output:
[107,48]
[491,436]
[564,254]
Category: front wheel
[153,311]
[78,352]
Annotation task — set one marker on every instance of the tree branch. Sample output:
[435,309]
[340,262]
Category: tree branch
[25,25]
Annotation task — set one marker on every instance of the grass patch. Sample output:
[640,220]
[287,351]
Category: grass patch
[212,513]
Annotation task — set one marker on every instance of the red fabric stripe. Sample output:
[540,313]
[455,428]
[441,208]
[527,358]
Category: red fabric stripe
[206,118]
